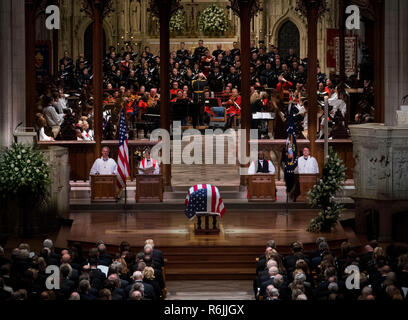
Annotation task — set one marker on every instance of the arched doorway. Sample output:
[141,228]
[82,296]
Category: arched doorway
[289,37]
[88,48]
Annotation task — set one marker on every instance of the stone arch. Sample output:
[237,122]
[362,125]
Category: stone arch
[80,32]
[295,19]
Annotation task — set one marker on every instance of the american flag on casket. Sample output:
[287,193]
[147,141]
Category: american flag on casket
[204,198]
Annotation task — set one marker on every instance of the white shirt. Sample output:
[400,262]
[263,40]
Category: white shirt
[337,104]
[43,136]
[90,136]
[253,167]
[104,167]
[308,166]
[53,118]
[149,164]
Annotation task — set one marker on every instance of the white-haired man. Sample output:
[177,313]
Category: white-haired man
[272,293]
[157,257]
[148,290]
[272,272]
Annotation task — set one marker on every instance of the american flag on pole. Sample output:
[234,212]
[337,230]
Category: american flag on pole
[204,198]
[123,158]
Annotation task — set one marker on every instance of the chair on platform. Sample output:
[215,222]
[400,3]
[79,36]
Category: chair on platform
[219,118]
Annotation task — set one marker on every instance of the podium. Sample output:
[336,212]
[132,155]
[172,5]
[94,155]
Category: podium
[261,187]
[103,188]
[304,183]
[149,188]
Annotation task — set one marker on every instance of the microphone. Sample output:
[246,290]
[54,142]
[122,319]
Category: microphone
[15,130]
[18,126]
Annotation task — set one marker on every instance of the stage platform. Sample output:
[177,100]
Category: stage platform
[234,197]
[231,255]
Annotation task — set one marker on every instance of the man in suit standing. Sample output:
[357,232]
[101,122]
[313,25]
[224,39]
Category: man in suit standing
[157,256]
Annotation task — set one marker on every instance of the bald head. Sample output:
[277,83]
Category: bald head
[66,258]
[75,296]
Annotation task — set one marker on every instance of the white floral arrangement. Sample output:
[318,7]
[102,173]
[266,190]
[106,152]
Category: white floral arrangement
[322,195]
[178,21]
[24,173]
[213,20]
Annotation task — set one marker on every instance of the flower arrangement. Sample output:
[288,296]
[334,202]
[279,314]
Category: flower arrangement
[24,173]
[322,195]
[178,21]
[213,20]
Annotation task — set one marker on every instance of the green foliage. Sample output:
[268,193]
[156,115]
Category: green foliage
[322,195]
[24,173]
[178,21]
[213,20]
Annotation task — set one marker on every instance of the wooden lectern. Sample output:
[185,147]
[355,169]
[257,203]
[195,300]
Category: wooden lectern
[103,188]
[261,187]
[149,188]
[303,184]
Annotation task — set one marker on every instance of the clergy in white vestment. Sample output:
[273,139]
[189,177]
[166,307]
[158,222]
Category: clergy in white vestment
[104,165]
[148,164]
[261,165]
[307,164]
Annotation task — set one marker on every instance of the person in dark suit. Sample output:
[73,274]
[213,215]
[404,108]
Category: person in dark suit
[273,271]
[113,283]
[96,276]
[157,255]
[104,258]
[67,285]
[84,291]
[148,288]
[149,277]
[53,258]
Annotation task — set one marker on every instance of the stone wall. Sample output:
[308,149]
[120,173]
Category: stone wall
[12,66]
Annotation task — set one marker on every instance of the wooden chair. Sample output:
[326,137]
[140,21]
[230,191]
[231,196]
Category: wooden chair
[219,118]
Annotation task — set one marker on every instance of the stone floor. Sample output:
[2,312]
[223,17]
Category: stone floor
[210,290]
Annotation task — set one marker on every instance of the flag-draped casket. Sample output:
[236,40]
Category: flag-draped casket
[204,198]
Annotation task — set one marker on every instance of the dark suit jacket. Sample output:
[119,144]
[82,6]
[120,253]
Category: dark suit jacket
[87,297]
[118,294]
[148,290]
[158,258]
[97,278]
[67,287]
[264,285]
[105,259]
[156,287]
[54,259]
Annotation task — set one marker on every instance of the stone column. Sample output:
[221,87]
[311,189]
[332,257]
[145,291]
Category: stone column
[396,58]
[312,19]
[164,15]
[12,83]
